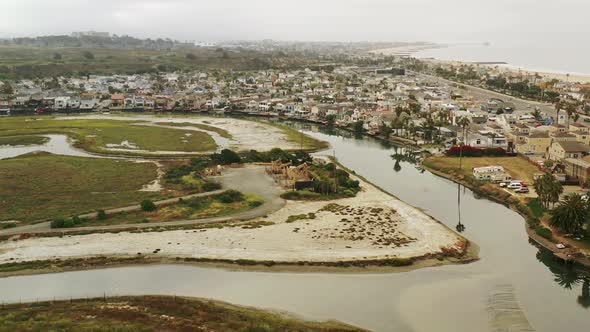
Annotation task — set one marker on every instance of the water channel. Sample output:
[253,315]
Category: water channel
[514,287]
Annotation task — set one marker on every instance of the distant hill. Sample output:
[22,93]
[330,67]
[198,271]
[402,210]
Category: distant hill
[98,40]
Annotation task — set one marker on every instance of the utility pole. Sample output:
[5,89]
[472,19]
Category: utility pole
[335,179]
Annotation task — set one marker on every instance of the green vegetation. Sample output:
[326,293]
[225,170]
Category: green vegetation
[226,157]
[23,140]
[327,182]
[571,214]
[302,195]
[225,203]
[296,217]
[18,62]
[94,135]
[222,132]
[548,188]
[44,186]
[148,206]
[144,313]
[191,176]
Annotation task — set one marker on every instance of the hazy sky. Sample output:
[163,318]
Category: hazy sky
[497,21]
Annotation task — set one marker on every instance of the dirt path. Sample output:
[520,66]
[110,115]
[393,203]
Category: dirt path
[249,179]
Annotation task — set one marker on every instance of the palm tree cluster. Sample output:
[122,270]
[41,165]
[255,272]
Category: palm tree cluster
[571,214]
[548,189]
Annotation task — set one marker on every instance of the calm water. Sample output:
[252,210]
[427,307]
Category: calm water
[57,144]
[547,58]
[514,287]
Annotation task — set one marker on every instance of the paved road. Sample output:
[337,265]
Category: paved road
[521,105]
[248,179]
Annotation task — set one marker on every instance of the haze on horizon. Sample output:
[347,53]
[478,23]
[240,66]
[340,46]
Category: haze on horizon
[507,22]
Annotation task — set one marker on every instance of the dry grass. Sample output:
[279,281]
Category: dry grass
[151,313]
[518,168]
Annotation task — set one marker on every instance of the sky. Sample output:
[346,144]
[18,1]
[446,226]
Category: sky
[496,21]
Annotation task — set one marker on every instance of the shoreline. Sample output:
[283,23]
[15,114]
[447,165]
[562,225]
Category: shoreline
[545,243]
[507,68]
[377,266]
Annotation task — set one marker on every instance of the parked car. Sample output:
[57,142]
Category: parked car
[522,190]
[515,185]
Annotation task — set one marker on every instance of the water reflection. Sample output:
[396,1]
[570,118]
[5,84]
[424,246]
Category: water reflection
[568,276]
[400,155]
[460,227]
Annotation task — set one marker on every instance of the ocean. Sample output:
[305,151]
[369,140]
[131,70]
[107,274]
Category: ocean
[569,59]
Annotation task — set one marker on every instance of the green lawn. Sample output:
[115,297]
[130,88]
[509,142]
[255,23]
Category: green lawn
[195,208]
[94,135]
[152,313]
[23,140]
[41,186]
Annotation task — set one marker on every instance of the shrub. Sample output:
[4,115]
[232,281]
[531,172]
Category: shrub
[8,225]
[76,220]
[469,151]
[148,206]
[211,186]
[300,195]
[544,232]
[226,157]
[57,223]
[255,203]
[101,215]
[230,196]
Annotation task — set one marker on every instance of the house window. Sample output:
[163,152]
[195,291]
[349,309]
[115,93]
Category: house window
[478,142]
[575,155]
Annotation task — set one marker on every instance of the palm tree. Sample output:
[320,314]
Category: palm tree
[537,114]
[558,106]
[571,214]
[464,123]
[570,109]
[548,189]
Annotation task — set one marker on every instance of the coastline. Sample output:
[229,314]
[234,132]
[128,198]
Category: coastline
[507,68]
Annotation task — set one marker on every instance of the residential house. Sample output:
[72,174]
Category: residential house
[560,150]
[536,143]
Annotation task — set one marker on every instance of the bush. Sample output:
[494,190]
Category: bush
[255,203]
[230,196]
[148,206]
[469,151]
[211,186]
[544,232]
[101,215]
[226,157]
[300,195]
[57,223]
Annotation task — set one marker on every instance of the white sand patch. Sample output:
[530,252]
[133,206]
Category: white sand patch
[123,145]
[376,226]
